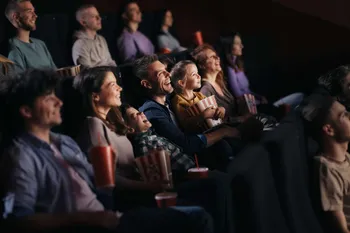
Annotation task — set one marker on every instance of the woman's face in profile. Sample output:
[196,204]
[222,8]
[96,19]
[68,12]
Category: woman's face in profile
[168,19]
[237,46]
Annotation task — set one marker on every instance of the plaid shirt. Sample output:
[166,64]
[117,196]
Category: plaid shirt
[143,142]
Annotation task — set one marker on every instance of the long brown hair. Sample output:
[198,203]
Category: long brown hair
[89,81]
[226,44]
[200,58]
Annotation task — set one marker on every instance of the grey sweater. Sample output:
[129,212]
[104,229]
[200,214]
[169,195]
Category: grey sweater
[91,52]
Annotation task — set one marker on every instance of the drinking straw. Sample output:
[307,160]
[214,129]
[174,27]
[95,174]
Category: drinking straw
[196,159]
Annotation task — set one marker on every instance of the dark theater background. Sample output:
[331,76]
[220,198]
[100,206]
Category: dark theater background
[288,43]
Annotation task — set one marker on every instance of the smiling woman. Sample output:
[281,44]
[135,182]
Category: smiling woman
[104,125]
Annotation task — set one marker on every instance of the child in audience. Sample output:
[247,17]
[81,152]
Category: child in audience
[329,124]
[186,79]
[144,139]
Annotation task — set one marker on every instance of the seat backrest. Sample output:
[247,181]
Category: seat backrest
[109,32]
[255,201]
[55,31]
[289,165]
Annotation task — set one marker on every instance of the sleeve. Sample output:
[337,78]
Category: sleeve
[22,181]
[164,127]
[109,59]
[331,189]
[162,42]
[80,54]
[126,48]
[233,83]
[52,63]
[206,90]
[17,57]
[96,132]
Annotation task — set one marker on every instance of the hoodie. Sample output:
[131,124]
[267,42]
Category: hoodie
[91,52]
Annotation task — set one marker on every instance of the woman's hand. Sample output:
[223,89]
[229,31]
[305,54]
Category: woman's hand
[219,113]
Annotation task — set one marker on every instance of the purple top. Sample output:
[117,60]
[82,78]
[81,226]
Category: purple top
[132,45]
[238,81]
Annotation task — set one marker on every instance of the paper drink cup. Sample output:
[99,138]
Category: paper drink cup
[166,199]
[198,173]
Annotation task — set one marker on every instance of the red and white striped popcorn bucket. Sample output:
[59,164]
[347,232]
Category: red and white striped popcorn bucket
[201,106]
[251,103]
[155,167]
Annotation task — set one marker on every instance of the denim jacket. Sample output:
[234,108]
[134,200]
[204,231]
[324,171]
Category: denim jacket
[37,182]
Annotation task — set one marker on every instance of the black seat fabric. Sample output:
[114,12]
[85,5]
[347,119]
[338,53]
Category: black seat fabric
[255,202]
[289,162]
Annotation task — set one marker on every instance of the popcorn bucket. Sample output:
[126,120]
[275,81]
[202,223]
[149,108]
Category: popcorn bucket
[201,106]
[155,167]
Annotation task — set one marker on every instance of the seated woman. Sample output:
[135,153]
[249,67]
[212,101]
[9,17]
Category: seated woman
[166,41]
[213,83]
[237,80]
[104,126]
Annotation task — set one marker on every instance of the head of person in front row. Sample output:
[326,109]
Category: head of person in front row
[329,123]
[336,82]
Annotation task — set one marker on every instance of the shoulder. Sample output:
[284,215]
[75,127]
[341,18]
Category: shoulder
[153,110]
[79,42]
[37,41]
[199,95]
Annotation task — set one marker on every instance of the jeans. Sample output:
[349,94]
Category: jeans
[293,100]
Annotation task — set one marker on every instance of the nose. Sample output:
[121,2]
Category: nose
[59,102]
[119,88]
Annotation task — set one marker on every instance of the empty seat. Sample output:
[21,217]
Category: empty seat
[289,163]
[255,202]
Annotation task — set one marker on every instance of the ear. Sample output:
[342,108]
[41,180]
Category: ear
[131,130]
[25,112]
[95,97]
[181,83]
[328,129]
[124,16]
[146,84]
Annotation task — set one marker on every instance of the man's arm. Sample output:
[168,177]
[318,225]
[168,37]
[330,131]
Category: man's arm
[22,181]
[80,54]
[338,221]
[17,57]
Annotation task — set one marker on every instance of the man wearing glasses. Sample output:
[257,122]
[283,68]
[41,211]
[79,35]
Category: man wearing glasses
[90,49]
[26,52]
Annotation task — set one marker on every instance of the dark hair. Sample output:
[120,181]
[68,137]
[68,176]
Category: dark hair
[22,90]
[333,81]
[315,110]
[226,45]
[89,81]
[178,72]
[200,59]
[123,109]
[140,66]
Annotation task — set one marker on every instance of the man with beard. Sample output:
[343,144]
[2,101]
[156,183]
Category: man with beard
[90,49]
[26,52]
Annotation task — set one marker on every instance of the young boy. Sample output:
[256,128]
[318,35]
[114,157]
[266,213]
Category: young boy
[144,139]
[329,124]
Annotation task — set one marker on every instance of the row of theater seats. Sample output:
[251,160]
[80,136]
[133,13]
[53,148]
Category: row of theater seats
[56,30]
[270,179]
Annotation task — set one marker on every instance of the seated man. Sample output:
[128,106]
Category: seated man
[156,80]
[26,52]
[144,140]
[46,173]
[329,124]
[132,44]
[90,49]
